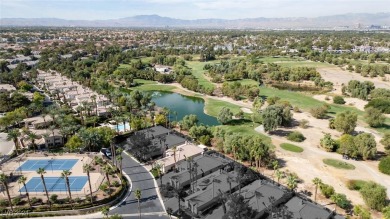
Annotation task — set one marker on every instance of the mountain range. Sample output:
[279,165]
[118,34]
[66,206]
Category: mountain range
[155,21]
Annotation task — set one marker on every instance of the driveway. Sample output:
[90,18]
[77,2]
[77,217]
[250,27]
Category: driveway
[6,147]
[143,180]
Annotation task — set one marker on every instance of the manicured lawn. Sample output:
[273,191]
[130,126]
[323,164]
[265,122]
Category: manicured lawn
[291,147]
[245,129]
[270,59]
[213,107]
[246,82]
[338,164]
[144,82]
[198,72]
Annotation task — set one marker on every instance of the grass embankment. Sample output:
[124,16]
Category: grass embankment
[338,164]
[198,72]
[146,85]
[291,147]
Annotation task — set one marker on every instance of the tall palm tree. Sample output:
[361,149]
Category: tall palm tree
[65,175]
[22,180]
[113,153]
[159,171]
[317,182]
[107,170]
[13,135]
[138,195]
[4,181]
[32,137]
[42,171]
[88,168]
[119,158]
[174,149]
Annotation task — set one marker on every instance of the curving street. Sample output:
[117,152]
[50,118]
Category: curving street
[151,205]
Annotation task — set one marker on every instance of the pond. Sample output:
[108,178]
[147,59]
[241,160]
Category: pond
[183,105]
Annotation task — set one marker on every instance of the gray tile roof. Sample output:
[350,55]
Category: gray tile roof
[301,209]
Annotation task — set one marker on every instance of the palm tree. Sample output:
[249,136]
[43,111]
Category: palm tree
[119,158]
[279,175]
[174,149]
[138,197]
[42,171]
[32,137]
[4,181]
[88,168]
[13,135]
[317,182]
[292,181]
[65,174]
[107,170]
[22,180]
[159,171]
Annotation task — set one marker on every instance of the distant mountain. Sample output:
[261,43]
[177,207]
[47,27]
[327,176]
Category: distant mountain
[149,21]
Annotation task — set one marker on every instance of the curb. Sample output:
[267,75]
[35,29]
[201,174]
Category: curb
[128,193]
[154,181]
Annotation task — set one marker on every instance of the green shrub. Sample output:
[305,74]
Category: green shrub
[361,212]
[338,100]
[272,100]
[384,165]
[340,200]
[319,112]
[17,201]
[54,198]
[3,203]
[296,136]
[374,195]
[355,184]
[304,123]
[35,200]
[383,104]
[326,190]
[116,184]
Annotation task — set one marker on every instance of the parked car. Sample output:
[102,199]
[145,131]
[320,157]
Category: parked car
[106,152]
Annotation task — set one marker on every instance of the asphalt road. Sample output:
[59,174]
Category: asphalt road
[143,180]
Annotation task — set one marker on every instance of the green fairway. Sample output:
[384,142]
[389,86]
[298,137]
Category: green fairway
[213,107]
[198,72]
[244,130]
[338,164]
[144,82]
[271,59]
[291,147]
[246,82]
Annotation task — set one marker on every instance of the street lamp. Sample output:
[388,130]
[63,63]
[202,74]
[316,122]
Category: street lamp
[20,167]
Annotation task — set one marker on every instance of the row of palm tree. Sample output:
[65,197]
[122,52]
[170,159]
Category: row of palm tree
[4,180]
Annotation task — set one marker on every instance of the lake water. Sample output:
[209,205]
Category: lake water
[183,105]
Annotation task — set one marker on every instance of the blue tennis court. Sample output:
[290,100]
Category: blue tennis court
[48,164]
[55,184]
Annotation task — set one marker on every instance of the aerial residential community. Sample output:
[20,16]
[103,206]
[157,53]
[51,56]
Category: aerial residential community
[267,111]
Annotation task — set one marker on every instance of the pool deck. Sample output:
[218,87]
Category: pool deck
[77,170]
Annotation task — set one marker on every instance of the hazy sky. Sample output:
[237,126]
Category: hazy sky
[186,9]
